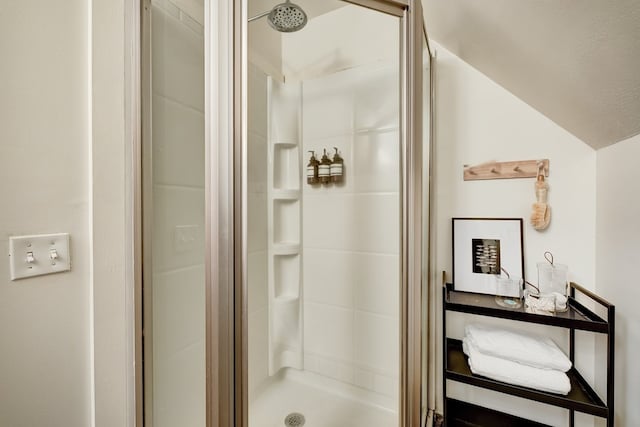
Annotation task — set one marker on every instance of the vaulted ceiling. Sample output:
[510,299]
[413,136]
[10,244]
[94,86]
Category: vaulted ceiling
[578,63]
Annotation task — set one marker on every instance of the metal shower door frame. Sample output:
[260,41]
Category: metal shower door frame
[226,216]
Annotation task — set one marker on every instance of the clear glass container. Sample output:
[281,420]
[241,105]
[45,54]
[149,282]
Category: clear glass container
[509,292]
[552,278]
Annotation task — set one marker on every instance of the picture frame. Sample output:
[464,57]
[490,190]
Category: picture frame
[483,249]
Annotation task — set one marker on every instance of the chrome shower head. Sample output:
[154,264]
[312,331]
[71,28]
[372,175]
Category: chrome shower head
[285,17]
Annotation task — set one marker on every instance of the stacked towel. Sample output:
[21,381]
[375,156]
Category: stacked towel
[517,358]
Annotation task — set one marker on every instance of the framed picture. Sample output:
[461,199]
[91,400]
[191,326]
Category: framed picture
[484,249]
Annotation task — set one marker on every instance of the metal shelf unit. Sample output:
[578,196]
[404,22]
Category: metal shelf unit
[581,398]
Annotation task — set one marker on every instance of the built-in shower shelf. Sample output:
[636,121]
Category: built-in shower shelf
[285,194]
[286,299]
[286,248]
[286,144]
[285,221]
[286,167]
[289,357]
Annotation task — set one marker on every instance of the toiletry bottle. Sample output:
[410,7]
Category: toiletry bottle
[337,167]
[324,169]
[312,169]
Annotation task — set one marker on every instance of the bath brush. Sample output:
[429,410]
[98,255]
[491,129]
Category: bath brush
[541,215]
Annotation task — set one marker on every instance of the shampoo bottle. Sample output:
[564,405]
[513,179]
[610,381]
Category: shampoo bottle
[337,167]
[312,169]
[324,169]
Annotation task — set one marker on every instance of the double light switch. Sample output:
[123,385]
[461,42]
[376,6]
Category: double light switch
[38,255]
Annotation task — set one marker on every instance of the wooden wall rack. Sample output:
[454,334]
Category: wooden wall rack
[506,170]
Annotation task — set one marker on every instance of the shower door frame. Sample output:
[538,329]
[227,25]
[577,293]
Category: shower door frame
[226,216]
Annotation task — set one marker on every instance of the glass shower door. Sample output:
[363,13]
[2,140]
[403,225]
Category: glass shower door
[323,333]
[173,214]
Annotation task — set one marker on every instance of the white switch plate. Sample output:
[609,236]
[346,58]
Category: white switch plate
[41,247]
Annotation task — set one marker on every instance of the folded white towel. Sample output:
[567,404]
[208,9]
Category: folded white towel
[515,373]
[524,348]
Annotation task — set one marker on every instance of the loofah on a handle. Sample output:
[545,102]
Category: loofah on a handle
[541,215]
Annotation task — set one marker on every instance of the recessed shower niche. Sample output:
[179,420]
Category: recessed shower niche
[286,222]
[286,272]
[286,169]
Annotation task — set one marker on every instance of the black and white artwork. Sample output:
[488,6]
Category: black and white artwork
[486,256]
[483,250]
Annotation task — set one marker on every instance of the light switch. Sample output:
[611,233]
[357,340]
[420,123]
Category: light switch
[37,255]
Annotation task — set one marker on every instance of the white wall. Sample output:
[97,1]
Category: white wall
[44,167]
[617,259]
[478,121]
[178,288]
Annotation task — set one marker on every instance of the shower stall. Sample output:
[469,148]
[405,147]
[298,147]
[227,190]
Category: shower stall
[286,235]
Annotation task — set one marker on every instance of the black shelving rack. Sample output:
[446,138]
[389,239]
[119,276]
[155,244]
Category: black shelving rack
[581,398]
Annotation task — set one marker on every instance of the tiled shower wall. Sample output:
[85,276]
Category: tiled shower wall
[351,231]
[178,218]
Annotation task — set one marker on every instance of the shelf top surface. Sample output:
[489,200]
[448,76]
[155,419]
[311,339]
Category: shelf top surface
[581,397]
[576,316]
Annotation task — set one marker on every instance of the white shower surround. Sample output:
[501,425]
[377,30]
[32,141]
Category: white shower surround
[351,231]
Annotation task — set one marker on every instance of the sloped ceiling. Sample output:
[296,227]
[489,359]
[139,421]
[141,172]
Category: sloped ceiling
[578,63]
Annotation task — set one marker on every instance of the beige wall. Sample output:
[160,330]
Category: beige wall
[45,322]
[617,259]
[44,168]
[66,356]
[112,138]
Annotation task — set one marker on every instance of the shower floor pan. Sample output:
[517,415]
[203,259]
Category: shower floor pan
[320,406]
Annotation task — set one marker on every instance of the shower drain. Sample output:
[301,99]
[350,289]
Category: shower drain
[294,420]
